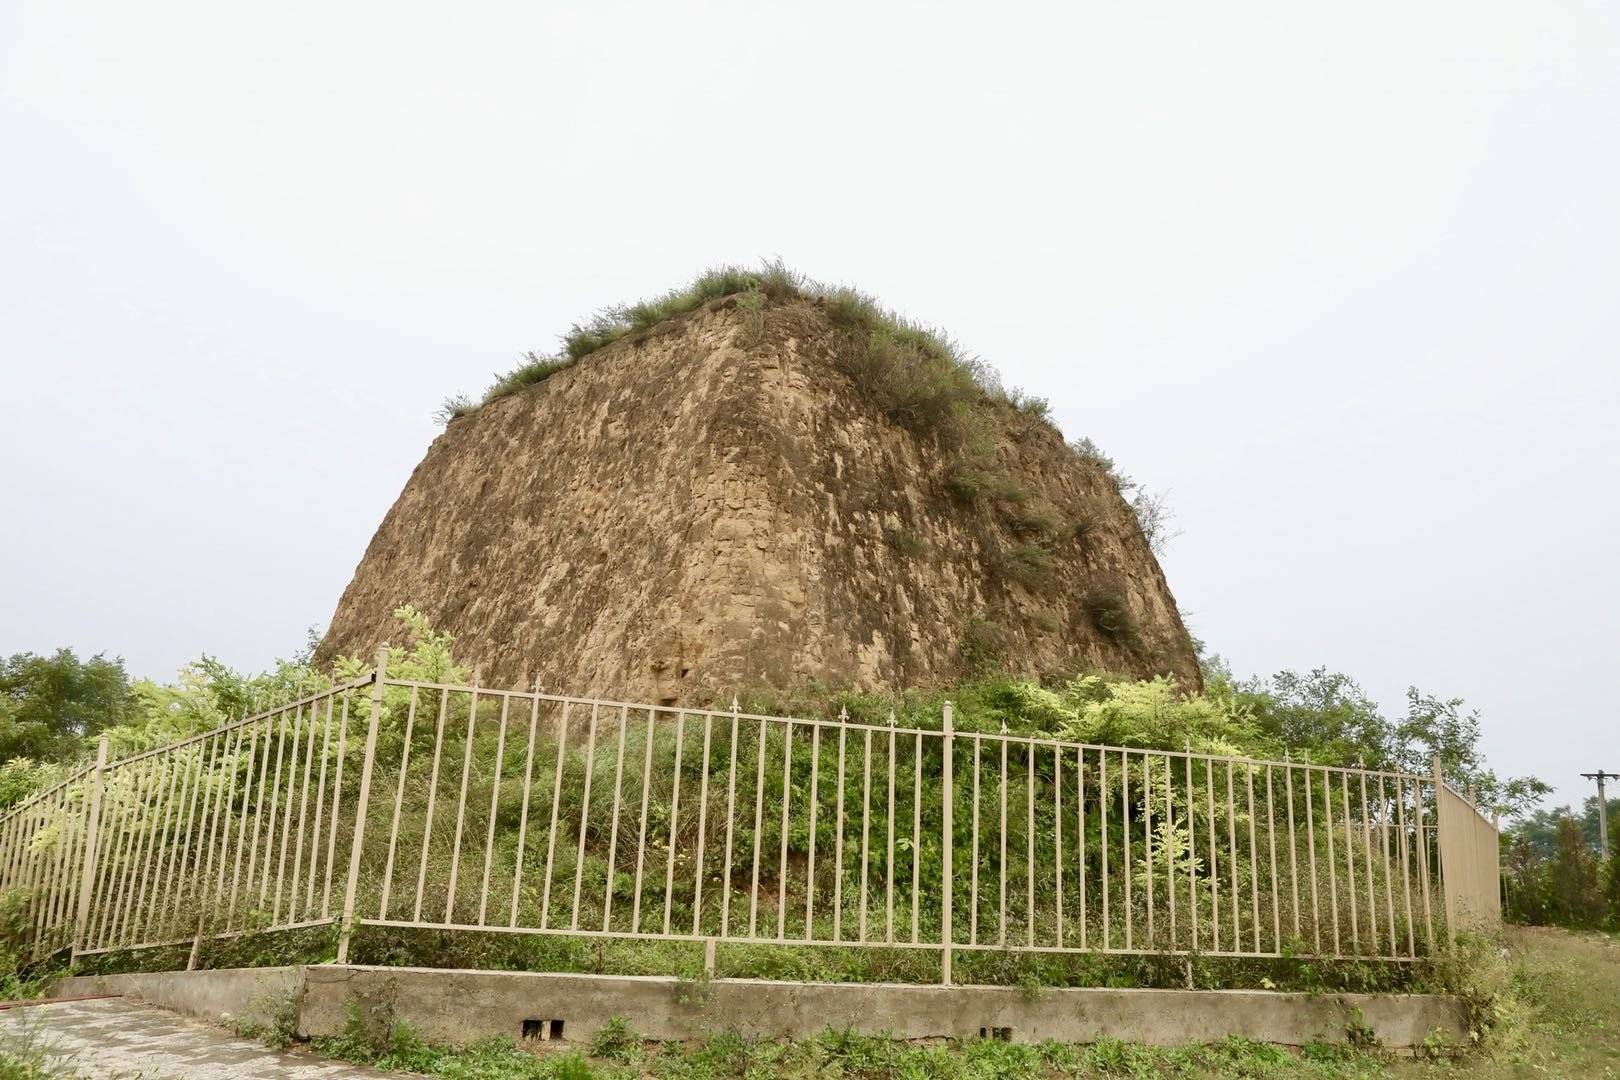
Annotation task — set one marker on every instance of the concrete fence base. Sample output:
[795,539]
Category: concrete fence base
[452,1006]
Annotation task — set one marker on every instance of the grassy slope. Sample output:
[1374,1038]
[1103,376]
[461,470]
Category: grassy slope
[1566,1022]
[1569,985]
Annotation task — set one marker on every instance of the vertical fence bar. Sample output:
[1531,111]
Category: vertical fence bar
[838,841]
[758,829]
[973,880]
[1332,859]
[1147,837]
[222,807]
[703,821]
[731,814]
[432,804]
[1214,867]
[1254,859]
[1080,832]
[279,719]
[1125,834]
[1423,862]
[810,867]
[641,837]
[286,813]
[1406,865]
[303,811]
[461,806]
[916,833]
[185,834]
[362,804]
[87,872]
[254,758]
[947,827]
[1293,846]
[1232,860]
[1192,854]
[1029,843]
[1057,834]
[1170,852]
[584,812]
[1366,847]
[888,864]
[320,805]
[337,805]
[1102,808]
[782,866]
[203,848]
[523,810]
[399,805]
[556,802]
[144,865]
[1350,864]
[1271,843]
[494,806]
[674,818]
[866,827]
[1001,865]
[1383,849]
[613,832]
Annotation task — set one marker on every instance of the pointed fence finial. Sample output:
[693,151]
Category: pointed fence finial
[735,704]
[891,718]
[843,713]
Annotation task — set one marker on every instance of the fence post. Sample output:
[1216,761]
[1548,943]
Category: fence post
[87,874]
[346,927]
[945,903]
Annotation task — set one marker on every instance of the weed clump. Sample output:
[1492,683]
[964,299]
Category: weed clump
[615,1041]
[1105,607]
[1029,565]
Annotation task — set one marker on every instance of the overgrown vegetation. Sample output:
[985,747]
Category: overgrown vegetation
[25,1055]
[1320,715]
[1556,874]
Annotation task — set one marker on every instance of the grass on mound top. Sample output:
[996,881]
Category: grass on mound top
[914,374]
[917,374]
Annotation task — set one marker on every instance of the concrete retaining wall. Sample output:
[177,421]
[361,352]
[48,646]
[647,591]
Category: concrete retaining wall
[458,1006]
[225,996]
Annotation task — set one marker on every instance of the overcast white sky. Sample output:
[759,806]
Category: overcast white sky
[1344,278]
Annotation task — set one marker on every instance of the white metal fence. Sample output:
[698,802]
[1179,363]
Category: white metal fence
[411,804]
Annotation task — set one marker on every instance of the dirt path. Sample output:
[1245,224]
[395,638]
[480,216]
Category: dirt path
[111,1037]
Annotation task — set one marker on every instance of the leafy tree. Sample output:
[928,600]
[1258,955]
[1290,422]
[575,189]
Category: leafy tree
[1540,828]
[1577,898]
[50,704]
[1323,711]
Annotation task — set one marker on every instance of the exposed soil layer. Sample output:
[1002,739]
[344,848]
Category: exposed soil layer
[712,504]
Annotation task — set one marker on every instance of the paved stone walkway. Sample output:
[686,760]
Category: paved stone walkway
[113,1038]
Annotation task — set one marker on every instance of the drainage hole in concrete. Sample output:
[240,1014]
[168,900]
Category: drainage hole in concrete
[1000,1034]
[542,1030]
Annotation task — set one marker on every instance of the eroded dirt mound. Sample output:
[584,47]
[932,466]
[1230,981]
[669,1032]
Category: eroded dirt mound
[713,504]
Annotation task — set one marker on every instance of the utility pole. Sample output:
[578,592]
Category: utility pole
[1603,807]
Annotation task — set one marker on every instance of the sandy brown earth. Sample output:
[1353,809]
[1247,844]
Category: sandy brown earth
[705,506]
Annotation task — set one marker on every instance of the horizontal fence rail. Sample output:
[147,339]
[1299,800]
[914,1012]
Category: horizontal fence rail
[420,805]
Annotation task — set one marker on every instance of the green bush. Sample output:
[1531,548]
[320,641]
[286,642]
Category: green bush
[1029,565]
[1105,607]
